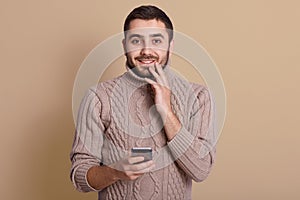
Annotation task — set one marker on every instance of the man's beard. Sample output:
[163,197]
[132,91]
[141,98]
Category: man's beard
[134,68]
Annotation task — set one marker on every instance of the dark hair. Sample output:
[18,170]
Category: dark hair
[147,13]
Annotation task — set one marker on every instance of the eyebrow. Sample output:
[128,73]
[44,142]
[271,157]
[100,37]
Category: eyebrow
[135,35]
[157,35]
[151,35]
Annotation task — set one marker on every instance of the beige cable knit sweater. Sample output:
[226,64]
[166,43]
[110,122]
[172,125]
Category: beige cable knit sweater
[119,114]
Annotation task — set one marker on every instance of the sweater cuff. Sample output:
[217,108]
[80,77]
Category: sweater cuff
[180,143]
[80,179]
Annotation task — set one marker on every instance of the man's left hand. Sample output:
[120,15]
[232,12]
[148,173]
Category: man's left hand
[162,100]
[161,90]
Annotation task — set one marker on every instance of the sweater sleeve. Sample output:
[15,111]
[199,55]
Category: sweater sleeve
[88,141]
[194,145]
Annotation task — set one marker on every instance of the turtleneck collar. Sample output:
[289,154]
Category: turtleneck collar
[138,81]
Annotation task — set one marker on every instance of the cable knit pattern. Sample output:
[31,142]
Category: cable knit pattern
[119,114]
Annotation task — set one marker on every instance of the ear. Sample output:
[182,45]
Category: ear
[171,47]
[124,46]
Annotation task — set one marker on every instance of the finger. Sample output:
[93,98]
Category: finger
[137,167]
[154,85]
[159,69]
[133,160]
[145,170]
[151,82]
[153,72]
[130,175]
[156,75]
[133,177]
[162,74]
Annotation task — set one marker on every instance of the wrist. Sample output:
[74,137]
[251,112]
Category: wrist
[116,174]
[172,125]
[165,111]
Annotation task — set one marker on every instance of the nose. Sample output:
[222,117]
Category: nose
[146,51]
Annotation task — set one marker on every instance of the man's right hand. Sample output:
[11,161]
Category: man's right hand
[132,167]
[99,177]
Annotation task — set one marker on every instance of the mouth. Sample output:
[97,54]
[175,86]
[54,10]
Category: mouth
[146,61]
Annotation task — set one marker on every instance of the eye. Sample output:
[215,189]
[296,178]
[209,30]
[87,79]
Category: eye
[135,41]
[156,41]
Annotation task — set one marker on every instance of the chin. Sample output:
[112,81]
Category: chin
[144,73]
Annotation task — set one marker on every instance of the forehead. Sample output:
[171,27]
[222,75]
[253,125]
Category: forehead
[140,23]
[147,27]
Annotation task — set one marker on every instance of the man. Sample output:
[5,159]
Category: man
[148,106]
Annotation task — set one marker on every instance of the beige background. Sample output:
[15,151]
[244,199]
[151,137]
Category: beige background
[255,44]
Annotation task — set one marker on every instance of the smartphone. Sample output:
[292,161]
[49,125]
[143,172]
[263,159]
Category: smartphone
[145,152]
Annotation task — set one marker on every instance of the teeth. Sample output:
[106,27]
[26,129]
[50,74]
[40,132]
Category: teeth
[147,61]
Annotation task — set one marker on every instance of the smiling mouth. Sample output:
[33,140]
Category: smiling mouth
[147,62]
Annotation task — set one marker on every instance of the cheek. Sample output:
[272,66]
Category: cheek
[131,55]
[162,54]
[133,49]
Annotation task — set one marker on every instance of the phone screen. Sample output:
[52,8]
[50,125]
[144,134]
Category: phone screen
[145,152]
